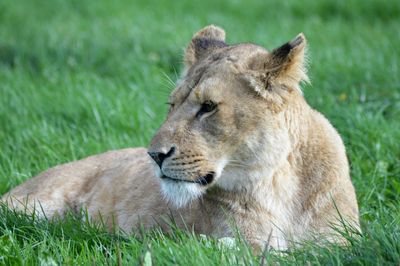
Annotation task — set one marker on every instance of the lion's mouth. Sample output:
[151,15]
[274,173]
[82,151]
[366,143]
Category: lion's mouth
[203,180]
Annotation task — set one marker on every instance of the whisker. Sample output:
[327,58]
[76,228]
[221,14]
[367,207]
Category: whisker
[169,80]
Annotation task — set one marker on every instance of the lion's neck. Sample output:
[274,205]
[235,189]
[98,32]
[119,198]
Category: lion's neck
[265,185]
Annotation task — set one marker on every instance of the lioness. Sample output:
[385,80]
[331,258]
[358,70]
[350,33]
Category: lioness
[239,144]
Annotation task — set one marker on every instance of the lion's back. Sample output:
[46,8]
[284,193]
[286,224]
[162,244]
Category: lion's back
[97,183]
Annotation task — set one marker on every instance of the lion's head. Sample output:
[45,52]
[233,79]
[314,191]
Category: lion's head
[226,125]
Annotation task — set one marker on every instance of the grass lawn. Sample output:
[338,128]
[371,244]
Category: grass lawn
[82,77]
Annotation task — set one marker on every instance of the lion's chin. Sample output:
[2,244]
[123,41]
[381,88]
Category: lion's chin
[180,194]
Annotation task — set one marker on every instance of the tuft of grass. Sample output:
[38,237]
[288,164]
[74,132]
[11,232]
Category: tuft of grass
[82,77]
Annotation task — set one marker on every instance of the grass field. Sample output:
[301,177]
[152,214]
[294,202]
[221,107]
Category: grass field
[83,77]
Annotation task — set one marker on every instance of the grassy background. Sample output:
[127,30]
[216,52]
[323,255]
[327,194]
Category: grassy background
[83,77]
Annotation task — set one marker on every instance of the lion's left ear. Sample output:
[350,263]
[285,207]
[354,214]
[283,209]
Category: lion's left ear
[285,66]
[203,42]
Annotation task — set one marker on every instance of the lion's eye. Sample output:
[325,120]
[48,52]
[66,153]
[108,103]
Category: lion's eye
[206,107]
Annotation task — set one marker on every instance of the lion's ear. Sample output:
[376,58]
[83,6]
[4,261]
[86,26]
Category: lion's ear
[284,66]
[288,62]
[203,42]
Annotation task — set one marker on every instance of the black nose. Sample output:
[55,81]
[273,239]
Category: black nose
[159,157]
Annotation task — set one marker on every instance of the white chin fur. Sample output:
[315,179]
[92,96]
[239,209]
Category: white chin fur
[180,194]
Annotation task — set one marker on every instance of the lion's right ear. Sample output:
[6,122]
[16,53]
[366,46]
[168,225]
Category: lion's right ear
[203,42]
[284,67]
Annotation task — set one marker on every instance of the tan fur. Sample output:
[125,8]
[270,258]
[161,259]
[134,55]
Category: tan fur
[262,158]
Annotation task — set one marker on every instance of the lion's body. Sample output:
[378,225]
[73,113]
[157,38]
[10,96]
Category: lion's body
[273,165]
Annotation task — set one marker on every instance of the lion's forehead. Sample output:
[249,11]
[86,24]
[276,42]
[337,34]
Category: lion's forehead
[201,81]
[214,69]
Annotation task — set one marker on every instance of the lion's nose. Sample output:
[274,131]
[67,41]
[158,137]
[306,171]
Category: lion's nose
[159,156]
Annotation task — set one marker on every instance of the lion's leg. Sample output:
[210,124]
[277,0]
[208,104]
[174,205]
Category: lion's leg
[337,220]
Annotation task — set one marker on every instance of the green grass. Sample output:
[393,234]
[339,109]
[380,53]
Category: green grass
[83,77]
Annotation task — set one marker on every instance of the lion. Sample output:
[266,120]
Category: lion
[240,145]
